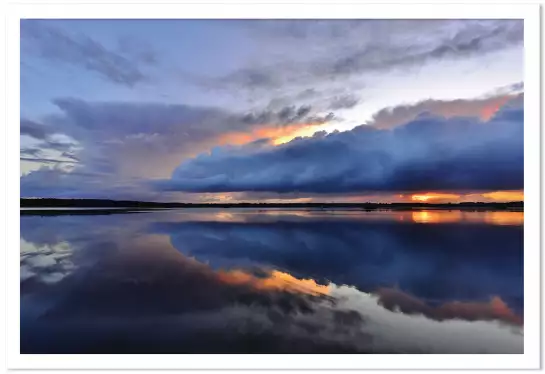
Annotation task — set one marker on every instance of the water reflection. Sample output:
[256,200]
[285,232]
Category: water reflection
[504,218]
[435,216]
[274,280]
[493,218]
[245,281]
[425,216]
[47,263]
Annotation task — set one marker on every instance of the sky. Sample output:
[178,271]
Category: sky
[272,110]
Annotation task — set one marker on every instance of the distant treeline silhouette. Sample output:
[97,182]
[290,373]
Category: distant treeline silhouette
[101,203]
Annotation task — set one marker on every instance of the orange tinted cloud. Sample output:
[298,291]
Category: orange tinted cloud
[495,309]
[438,197]
[492,105]
[278,134]
[305,131]
[274,281]
[482,108]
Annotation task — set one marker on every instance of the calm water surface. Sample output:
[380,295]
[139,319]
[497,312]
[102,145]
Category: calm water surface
[272,281]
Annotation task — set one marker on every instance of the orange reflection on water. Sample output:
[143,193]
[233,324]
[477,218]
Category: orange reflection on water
[427,216]
[225,217]
[275,281]
[447,216]
[505,218]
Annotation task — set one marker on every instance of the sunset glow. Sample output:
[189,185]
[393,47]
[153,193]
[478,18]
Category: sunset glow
[505,195]
[279,134]
[304,131]
[493,196]
[291,185]
[431,196]
[493,106]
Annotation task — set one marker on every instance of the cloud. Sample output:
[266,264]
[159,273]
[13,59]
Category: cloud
[406,333]
[495,309]
[57,45]
[514,89]
[142,138]
[314,61]
[52,148]
[344,102]
[327,249]
[428,153]
[32,152]
[120,143]
[63,180]
[222,311]
[287,115]
[46,263]
[46,160]
[34,129]
[137,49]
[483,108]
[345,49]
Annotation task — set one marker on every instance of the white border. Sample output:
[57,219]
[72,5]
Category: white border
[529,12]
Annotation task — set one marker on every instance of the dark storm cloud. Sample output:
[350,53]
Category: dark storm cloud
[348,48]
[428,153]
[79,50]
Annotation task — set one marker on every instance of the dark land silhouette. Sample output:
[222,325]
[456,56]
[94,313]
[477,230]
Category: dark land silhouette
[103,204]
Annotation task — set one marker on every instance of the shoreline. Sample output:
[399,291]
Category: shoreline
[50,211]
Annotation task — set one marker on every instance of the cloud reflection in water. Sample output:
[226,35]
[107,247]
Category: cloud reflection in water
[169,282]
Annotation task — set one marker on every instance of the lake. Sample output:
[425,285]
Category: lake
[272,281]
